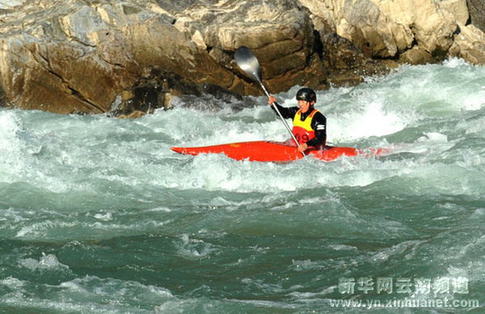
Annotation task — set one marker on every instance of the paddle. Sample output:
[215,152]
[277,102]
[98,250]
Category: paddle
[248,62]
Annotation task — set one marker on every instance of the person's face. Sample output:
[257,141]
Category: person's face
[304,105]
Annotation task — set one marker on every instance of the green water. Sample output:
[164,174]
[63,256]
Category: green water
[97,215]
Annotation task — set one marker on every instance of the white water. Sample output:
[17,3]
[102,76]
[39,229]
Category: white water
[80,193]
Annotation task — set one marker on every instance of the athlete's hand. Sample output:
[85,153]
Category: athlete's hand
[271,100]
[302,148]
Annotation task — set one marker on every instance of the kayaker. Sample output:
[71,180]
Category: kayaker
[309,124]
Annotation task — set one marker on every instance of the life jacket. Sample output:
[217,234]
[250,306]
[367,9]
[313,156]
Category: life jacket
[303,129]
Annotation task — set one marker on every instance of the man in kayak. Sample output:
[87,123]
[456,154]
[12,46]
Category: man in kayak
[309,124]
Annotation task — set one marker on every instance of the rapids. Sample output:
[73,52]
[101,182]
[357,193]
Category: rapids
[98,215]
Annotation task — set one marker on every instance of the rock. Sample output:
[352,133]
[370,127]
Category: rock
[53,64]
[3,100]
[132,115]
[477,13]
[457,8]
[346,64]
[135,55]
[385,29]
[416,55]
[365,24]
[279,33]
[77,56]
[469,44]
[167,101]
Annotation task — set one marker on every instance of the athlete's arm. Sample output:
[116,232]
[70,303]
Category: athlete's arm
[287,113]
[319,124]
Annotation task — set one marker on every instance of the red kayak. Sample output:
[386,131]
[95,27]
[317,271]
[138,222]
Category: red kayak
[274,151]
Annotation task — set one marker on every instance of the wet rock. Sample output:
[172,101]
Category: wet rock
[279,33]
[133,115]
[457,8]
[469,44]
[416,55]
[118,57]
[80,56]
[477,13]
[3,101]
[385,29]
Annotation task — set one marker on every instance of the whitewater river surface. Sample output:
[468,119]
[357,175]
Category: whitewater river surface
[98,215]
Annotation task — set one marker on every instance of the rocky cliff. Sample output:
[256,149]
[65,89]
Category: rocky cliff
[97,56]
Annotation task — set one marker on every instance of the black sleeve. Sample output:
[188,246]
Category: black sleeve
[319,124]
[287,113]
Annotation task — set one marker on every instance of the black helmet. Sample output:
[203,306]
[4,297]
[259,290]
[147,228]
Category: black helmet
[306,94]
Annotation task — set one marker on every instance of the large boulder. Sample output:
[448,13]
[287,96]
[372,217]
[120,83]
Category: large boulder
[384,29]
[411,31]
[134,55]
[477,13]
[50,58]
[469,44]
[82,56]
[279,33]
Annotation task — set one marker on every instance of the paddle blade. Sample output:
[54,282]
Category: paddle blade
[247,62]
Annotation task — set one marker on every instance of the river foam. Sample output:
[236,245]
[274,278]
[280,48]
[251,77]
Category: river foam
[98,214]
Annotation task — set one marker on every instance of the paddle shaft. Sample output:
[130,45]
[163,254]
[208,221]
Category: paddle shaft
[279,114]
[248,62]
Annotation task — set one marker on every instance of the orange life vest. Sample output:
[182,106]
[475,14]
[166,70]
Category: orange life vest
[303,129]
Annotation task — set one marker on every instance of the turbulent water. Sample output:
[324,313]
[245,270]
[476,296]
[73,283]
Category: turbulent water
[98,215]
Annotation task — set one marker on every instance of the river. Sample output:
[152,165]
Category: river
[98,215]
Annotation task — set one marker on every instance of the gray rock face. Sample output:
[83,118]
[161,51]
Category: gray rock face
[87,56]
[97,56]
[477,13]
